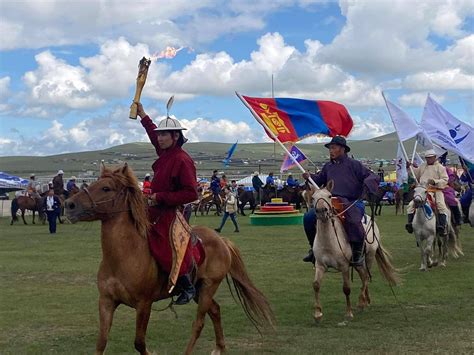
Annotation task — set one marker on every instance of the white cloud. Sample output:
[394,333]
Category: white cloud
[392,37]
[450,79]
[418,99]
[115,128]
[55,82]
[4,87]
[365,128]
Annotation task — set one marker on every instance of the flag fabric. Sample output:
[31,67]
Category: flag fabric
[294,119]
[447,131]
[401,166]
[418,160]
[288,163]
[229,154]
[405,126]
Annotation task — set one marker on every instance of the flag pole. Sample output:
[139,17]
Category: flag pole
[273,135]
[414,152]
[401,143]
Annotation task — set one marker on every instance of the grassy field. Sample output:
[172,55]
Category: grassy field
[48,299]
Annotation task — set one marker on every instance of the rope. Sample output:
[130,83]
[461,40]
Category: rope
[170,307]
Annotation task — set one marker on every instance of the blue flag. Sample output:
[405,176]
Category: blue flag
[288,163]
[229,154]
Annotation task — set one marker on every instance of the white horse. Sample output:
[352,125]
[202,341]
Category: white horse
[331,249]
[424,226]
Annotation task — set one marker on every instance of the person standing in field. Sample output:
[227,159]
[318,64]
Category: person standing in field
[230,210]
[52,206]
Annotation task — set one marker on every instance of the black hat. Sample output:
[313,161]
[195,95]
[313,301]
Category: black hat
[339,140]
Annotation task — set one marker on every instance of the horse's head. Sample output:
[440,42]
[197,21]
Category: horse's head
[420,196]
[322,204]
[116,191]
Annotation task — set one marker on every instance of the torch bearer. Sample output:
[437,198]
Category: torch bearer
[143,66]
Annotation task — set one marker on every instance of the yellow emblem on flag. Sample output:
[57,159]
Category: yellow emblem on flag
[273,120]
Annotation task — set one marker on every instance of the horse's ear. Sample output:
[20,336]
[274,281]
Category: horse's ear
[103,168]
[330,185]
[125,168]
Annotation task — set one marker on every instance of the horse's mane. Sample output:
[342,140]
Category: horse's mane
[126,178]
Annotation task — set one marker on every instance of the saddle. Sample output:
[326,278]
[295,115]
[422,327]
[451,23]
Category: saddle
[432,203]
[180,236]
[338,207]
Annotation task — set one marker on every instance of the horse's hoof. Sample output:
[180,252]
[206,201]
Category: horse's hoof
[422,268]
[349,316]
[434,263]
[318,316]
[443,263]
[216,351]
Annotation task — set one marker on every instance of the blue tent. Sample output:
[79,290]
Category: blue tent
[11,183]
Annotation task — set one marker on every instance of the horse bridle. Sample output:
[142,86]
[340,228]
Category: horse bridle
[95,204]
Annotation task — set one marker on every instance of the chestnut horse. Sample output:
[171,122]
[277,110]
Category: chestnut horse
[24,203]
[128,273]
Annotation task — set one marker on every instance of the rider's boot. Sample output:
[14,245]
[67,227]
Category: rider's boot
[465,214]
[409,225]
[442,224]
[358,254]
[188,292]
[310,257]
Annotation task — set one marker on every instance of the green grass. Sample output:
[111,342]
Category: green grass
[48,299]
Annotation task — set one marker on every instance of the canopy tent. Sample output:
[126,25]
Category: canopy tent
[11,183]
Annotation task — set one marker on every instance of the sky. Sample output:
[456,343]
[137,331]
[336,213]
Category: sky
[68,68]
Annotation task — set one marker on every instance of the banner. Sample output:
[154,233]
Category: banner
[288,163]
[294,119]
[405,126]
[229,154]
[401,166]
[447,131]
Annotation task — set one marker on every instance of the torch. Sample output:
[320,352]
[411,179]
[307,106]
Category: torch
[143,66]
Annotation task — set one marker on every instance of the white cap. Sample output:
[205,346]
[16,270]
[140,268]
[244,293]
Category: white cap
[169,124]
[72,178]
[430,153]
[60,172]
[32,175]
[147,175]
[255,173]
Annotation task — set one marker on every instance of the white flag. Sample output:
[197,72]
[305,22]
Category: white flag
[405,126]
[401,166]
[447,131]
[418,161]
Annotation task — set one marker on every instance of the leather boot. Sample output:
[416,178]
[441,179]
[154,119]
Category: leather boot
[442,223]
[187,290]
[357,254]
[465,214]
[409,225]
[310,257]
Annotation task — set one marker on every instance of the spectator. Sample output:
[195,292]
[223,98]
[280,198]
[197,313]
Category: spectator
[270,180]
[147,185]
[223,181]
[230,209]
[52,206]
[257,185]
[71,185]
[291,182]
[215,184]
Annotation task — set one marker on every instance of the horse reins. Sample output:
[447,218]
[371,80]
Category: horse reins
[96,204]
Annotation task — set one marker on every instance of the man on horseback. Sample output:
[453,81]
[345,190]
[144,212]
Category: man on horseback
[350,179]
[31,188]
[257,185]
[58,183]
[174,184]
[433,175]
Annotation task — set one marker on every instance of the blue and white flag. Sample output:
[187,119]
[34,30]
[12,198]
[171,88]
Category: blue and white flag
[229,154]
[401,167]
[288,163]
[447,131]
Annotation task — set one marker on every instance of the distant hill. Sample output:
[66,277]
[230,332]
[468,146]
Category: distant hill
[209,156]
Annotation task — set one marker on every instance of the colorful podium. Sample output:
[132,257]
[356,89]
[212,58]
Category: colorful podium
[276,213]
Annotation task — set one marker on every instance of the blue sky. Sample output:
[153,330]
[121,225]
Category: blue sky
[67,69]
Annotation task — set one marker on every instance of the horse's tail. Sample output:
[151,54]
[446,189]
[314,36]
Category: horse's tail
[253,301]
[389,272]
[14,209]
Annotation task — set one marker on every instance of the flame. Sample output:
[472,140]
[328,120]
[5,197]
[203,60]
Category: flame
[168,53]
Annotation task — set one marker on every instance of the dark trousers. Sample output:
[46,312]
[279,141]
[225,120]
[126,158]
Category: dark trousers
[466,199]
[352,224]
[52,215]
[232,217]
[456,215]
